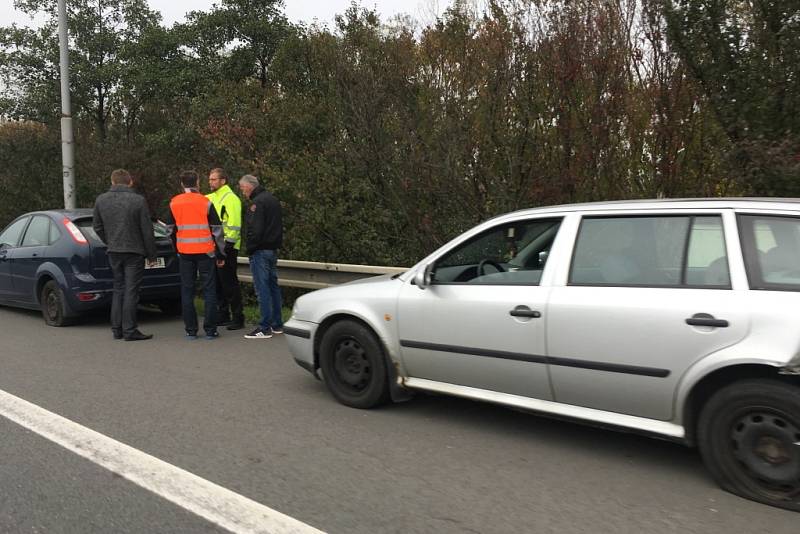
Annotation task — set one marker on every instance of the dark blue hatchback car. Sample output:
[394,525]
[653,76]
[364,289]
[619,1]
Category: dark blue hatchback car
[54,261]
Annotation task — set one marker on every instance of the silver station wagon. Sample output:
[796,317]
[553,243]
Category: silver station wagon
[676,318]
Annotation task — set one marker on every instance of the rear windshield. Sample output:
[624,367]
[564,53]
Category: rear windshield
[85,226]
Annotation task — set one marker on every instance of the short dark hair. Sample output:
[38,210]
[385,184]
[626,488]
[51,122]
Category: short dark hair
[189,179]
[220,171]
[121,177]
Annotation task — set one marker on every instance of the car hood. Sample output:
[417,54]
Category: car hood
[348,297]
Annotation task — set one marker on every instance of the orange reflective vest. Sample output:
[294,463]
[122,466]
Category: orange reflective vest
[190,211]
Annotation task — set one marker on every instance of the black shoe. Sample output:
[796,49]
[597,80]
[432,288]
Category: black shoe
[138,336]
[236,325]
[117,333]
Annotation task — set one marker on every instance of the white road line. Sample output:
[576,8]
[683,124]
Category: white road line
[214,503]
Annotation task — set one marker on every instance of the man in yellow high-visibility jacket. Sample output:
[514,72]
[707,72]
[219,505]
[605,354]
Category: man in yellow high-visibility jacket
[229,208]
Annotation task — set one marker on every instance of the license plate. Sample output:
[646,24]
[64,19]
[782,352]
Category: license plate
[159,264]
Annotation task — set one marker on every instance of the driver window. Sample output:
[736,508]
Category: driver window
[509,254]
[10,236]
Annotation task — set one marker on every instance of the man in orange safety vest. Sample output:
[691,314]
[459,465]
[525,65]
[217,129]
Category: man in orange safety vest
[197,233]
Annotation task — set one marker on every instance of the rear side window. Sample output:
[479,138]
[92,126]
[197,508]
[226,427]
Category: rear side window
[665,251]
[55,234]
[771,247]
[38,232]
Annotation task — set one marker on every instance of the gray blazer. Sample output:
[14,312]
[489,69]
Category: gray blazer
[122,221]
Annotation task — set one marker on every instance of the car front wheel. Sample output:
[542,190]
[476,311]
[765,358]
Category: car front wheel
[54,305]
[353,365]
[749,437]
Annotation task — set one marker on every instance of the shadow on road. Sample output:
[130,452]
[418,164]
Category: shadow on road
[146,314]
[612,446]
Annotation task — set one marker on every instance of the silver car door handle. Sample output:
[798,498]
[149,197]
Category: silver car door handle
[704,319]
[524,311]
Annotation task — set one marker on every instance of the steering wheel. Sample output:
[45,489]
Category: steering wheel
[483,263]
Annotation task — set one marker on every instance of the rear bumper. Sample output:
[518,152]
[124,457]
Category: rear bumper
[154,289]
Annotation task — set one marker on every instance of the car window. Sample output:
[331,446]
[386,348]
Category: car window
[707,259]
[771,247]
[160,230]
[55,233]
[85,226]
[38,232]
[11,235]
[662,251]
[508,254]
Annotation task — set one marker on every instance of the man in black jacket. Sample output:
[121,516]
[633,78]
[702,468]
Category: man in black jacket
[264,238]
[122,221]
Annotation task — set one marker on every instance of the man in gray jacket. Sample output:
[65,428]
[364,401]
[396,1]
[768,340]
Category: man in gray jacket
[122,221]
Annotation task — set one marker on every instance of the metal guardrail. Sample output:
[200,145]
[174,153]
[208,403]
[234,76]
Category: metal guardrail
[313,275]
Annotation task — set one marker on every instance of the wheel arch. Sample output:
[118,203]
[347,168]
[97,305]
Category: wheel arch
[704,388]
[45,273]
[40,283]
[396,391]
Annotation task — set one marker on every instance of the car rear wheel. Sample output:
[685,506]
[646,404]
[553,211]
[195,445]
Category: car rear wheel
[749,437]
[54,306]
[353,365]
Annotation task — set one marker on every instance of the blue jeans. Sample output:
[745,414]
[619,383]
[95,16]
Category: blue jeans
[264,266]
[190,265]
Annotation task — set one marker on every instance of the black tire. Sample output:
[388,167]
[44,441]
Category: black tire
[353,365]
[748,434]
[54,306]
[171,307]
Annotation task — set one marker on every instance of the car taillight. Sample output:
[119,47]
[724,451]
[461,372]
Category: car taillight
[74,232]
[88,297]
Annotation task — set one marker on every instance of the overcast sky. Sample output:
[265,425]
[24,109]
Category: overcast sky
[296,10]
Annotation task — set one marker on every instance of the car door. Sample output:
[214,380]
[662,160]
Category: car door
[9,239]
[29,256]
[646,296]
[479,323]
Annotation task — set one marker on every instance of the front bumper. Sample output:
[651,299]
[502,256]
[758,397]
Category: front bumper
[300,340]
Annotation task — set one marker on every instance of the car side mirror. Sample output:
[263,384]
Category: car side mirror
[424,276]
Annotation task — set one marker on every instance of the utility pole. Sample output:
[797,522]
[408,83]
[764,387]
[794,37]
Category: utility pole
[67,140]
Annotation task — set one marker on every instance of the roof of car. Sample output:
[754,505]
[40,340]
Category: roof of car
[71,214]
[676,203]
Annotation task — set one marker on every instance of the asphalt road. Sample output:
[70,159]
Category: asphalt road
[240,413]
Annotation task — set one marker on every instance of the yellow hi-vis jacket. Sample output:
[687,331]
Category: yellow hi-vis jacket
[229,208]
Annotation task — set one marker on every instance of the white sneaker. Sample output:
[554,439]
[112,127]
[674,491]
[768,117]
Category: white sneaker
[258,333]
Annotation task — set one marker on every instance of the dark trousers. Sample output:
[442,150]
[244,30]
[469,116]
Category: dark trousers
[229,293]
[128,269]
[190,265]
